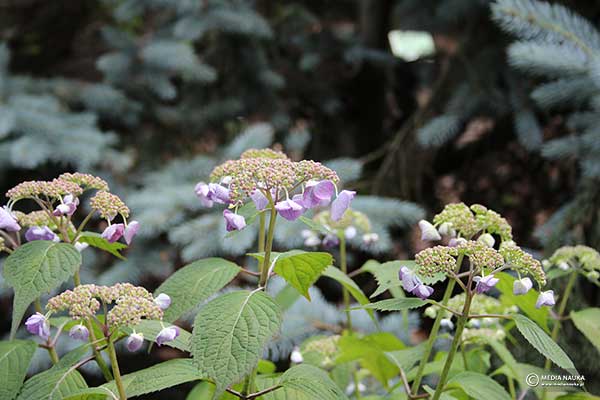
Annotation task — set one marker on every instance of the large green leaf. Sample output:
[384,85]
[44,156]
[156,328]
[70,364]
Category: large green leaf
[312,382]
[230,333]
[525,302]
[53,384]
[153,379]
[588,323]
[302,382]
[351,287]
[505,355]
[396,304]
[35,268]
[96,240]
[406,358]
[15,357]
[479,386]
[542,342]
[300,269]
[195,283]
[151,329]
[371,351]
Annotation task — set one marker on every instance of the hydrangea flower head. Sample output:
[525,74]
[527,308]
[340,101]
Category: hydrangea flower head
[268,170]
[109,205]
[55,189]
[85,181]
[523,262]
[131,303]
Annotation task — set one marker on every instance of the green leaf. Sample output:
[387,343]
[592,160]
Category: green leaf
[542,342]
[301,269]
[15,357]
[35,268]
[371,351]
[153,379]
[505,355]
[406,358]
[230,333]
[351,286]
[194,283]
[479,386]
[53,384]
[150,329]
[96,240]
[286,297]
[314,225]
[396,304]
[525,302]
[302,382]
[311,382]
[588,323]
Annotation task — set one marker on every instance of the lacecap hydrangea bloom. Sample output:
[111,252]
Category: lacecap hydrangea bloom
[271,180]
[59,200]
[127,305]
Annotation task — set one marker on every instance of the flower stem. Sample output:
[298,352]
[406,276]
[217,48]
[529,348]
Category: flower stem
[264,272]
[115,367]
[460,325]
[261,232]
[434,330]
[344,268]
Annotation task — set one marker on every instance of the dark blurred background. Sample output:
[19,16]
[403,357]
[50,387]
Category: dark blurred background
[152,94]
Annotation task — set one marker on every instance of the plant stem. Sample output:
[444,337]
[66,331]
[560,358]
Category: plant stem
[76,278]
[261,232]
[53,355]
[460,325]
[82,225]
[115,367]
[434,330]
[346,294]
[264,272]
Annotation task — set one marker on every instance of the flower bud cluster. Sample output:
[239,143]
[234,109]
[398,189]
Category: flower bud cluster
[522,262]
[86,181]
[460,218]
[576,256]
[492,222]
[109,205]
[55,189]
[480,255]
[264,153]
[36,218]
[132,303]
[267,173]
[477,334]
[468,221]
[436,259]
